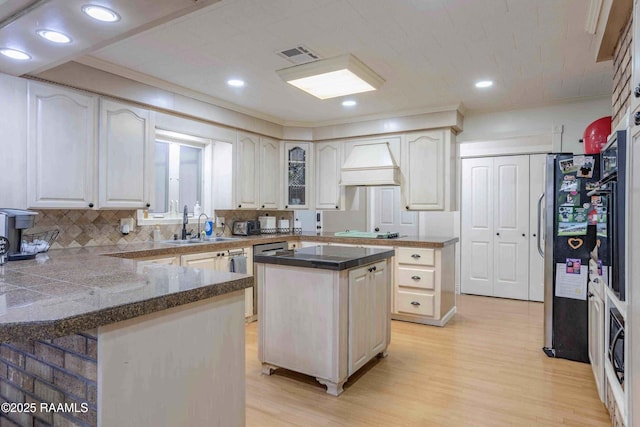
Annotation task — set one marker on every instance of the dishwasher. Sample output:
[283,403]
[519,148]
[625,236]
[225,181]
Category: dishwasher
[262,250]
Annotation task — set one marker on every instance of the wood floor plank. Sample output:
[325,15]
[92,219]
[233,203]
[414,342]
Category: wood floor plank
[485,368]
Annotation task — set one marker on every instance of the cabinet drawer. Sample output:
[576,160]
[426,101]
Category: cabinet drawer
[417,256]
[415,303]
[424,278]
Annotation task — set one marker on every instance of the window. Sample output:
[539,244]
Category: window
[178,171]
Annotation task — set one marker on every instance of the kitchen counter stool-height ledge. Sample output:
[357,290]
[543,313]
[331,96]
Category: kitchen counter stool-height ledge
[324,310]
[132,343]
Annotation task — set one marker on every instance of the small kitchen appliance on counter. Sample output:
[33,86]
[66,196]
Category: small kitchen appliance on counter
[267,224]
[245,228]
[12,222]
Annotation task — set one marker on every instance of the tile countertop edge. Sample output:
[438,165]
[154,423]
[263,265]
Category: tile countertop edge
[49,329]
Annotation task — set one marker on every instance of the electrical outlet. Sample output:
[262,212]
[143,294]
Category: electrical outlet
[219,221]
[130,222]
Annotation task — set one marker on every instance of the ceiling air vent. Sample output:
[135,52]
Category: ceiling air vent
[298,55]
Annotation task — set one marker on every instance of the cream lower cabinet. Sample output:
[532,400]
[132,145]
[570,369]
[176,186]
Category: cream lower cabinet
[424,285]
[322,323]
[220,261]
[596,336]
[368,313]
[61,140]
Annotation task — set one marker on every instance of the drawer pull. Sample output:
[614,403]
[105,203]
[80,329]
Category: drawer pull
[415,256]
[416,277]
[416,303]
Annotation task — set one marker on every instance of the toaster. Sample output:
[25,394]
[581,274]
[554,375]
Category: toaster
[245,228]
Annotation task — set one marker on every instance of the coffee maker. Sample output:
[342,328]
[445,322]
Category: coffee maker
[12,222]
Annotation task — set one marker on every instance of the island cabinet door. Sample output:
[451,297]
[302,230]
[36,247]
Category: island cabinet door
[368,313]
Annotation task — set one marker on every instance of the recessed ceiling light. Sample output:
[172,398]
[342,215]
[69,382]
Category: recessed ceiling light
[54,36]
[349,103]
[235,82]
[100,13]
[15,54]
[484,83]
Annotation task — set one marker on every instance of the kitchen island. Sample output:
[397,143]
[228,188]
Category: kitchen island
[324,310]
[122,343]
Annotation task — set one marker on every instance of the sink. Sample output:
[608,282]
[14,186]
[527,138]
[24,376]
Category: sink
[199,242]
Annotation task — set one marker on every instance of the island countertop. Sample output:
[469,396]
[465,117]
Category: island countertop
[65,291]
[325,257]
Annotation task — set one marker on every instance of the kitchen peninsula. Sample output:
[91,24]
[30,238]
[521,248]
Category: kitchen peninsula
[129,343]
[324,310]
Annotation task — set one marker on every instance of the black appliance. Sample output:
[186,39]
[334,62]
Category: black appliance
[574,223]
[612,186]
[245,228]
[616,344]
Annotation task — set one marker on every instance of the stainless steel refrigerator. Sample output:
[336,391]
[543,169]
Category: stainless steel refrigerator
[575,223]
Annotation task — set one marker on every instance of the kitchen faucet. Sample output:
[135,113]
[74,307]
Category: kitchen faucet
[200,237]
[185,220]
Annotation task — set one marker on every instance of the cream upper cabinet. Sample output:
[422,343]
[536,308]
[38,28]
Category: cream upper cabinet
[125,153]
[297,168]
[428,163]
[61,135]
[269,173]
[247,171]
[328,160]
[13,141]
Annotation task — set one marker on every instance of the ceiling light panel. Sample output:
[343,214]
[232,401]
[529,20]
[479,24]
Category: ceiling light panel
[15,54]
[332,77]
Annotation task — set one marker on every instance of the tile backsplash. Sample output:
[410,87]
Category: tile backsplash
[79,228]
[91,227]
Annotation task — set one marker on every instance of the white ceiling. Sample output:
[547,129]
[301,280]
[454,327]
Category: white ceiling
[430,52]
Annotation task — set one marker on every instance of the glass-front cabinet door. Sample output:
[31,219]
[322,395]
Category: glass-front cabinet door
[297,180]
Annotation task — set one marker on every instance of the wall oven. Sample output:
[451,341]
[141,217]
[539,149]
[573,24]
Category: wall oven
[613,166]
[616,344]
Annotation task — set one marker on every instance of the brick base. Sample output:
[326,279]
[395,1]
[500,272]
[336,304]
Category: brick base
[59,371]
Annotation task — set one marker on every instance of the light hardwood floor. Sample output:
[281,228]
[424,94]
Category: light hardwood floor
[485,368]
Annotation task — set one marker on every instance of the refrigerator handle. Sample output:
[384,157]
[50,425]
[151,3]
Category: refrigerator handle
[540,250]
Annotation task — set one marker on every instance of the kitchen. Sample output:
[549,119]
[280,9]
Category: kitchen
[156,77]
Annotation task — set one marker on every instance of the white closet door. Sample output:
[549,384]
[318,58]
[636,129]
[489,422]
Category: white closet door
[537,168]
[477,226]
[511,227]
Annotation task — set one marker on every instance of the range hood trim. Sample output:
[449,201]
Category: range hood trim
[370,165]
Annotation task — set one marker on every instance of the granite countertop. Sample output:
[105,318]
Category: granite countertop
[325,257]
[147,249]
[65,291]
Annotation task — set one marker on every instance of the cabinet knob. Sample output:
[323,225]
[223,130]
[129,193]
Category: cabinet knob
[636,118]
[497,234]
[416,303]
[262,206]
[415,256]
[416,277]
[286,206]
[148,205]
[534,234]
[523,235]
[90,205]
[406,207]
[636,91]
[376,229]
[372,269]
[590,294]
[337,207]
[239,206]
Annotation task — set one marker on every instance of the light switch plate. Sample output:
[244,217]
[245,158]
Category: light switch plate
[129,221]
[219,221]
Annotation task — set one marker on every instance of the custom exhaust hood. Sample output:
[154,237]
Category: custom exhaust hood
[370,165]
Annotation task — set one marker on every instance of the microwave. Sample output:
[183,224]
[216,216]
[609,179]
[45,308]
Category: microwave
[616,344]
